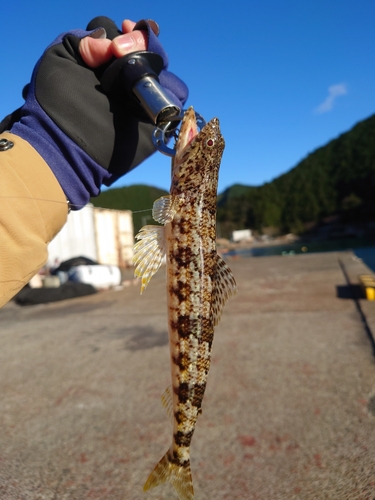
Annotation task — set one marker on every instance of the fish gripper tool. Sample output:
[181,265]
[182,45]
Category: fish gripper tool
[137,74]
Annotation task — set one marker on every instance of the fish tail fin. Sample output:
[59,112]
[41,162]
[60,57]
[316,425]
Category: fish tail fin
[178,475]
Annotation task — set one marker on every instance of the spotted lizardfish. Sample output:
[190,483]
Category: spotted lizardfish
[199,283]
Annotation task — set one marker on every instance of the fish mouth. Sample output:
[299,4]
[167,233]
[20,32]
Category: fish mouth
[188,130]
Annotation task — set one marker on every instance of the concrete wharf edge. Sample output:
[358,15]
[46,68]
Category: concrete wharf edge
[289,411]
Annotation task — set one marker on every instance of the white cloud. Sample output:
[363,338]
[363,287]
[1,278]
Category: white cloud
[334,91]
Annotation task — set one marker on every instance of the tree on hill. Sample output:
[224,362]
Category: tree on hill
[336,179]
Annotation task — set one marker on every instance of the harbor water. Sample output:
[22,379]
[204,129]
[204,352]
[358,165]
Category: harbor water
[363,249]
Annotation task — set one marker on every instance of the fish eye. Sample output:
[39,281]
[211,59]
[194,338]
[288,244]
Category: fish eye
[210,143]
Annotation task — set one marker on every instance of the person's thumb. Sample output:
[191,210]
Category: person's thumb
[95,51]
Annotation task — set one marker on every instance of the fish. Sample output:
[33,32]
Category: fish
[199,282]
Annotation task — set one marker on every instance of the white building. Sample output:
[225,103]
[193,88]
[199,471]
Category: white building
[103,235]
[242,235]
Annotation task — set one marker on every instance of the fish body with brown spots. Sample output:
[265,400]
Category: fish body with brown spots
[198,284]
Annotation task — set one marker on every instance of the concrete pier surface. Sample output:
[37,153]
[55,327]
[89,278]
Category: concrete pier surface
[289,411]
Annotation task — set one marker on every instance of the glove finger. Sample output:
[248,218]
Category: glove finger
[154,44]
[175,86]
[147,24]
[105,22]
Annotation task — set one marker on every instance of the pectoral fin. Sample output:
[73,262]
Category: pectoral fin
[224,286]
[149,252]
[164,209]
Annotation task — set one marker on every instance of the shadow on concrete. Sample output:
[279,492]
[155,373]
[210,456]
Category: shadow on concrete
[347,291]
[144,338]
[356,297]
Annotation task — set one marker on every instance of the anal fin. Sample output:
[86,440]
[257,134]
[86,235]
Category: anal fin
[224,286]
[167,402]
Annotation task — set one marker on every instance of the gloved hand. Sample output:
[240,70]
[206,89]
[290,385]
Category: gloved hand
[86,137]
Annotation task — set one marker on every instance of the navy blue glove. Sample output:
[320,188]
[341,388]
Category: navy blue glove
[87,138]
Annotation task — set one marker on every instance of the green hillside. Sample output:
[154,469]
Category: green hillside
[337,179]
[135,198]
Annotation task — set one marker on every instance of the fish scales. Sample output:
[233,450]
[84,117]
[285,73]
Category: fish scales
[198,284]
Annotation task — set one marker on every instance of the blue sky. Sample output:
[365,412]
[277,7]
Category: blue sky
[283,77]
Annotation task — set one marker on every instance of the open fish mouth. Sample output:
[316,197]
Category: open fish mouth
[188,130]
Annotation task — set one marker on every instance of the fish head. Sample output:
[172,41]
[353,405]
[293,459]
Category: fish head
[198,155]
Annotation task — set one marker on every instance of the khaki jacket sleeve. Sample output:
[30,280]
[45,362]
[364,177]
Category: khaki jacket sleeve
[33,209]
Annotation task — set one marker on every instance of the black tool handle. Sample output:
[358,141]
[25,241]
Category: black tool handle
[137,74]
[126,71]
